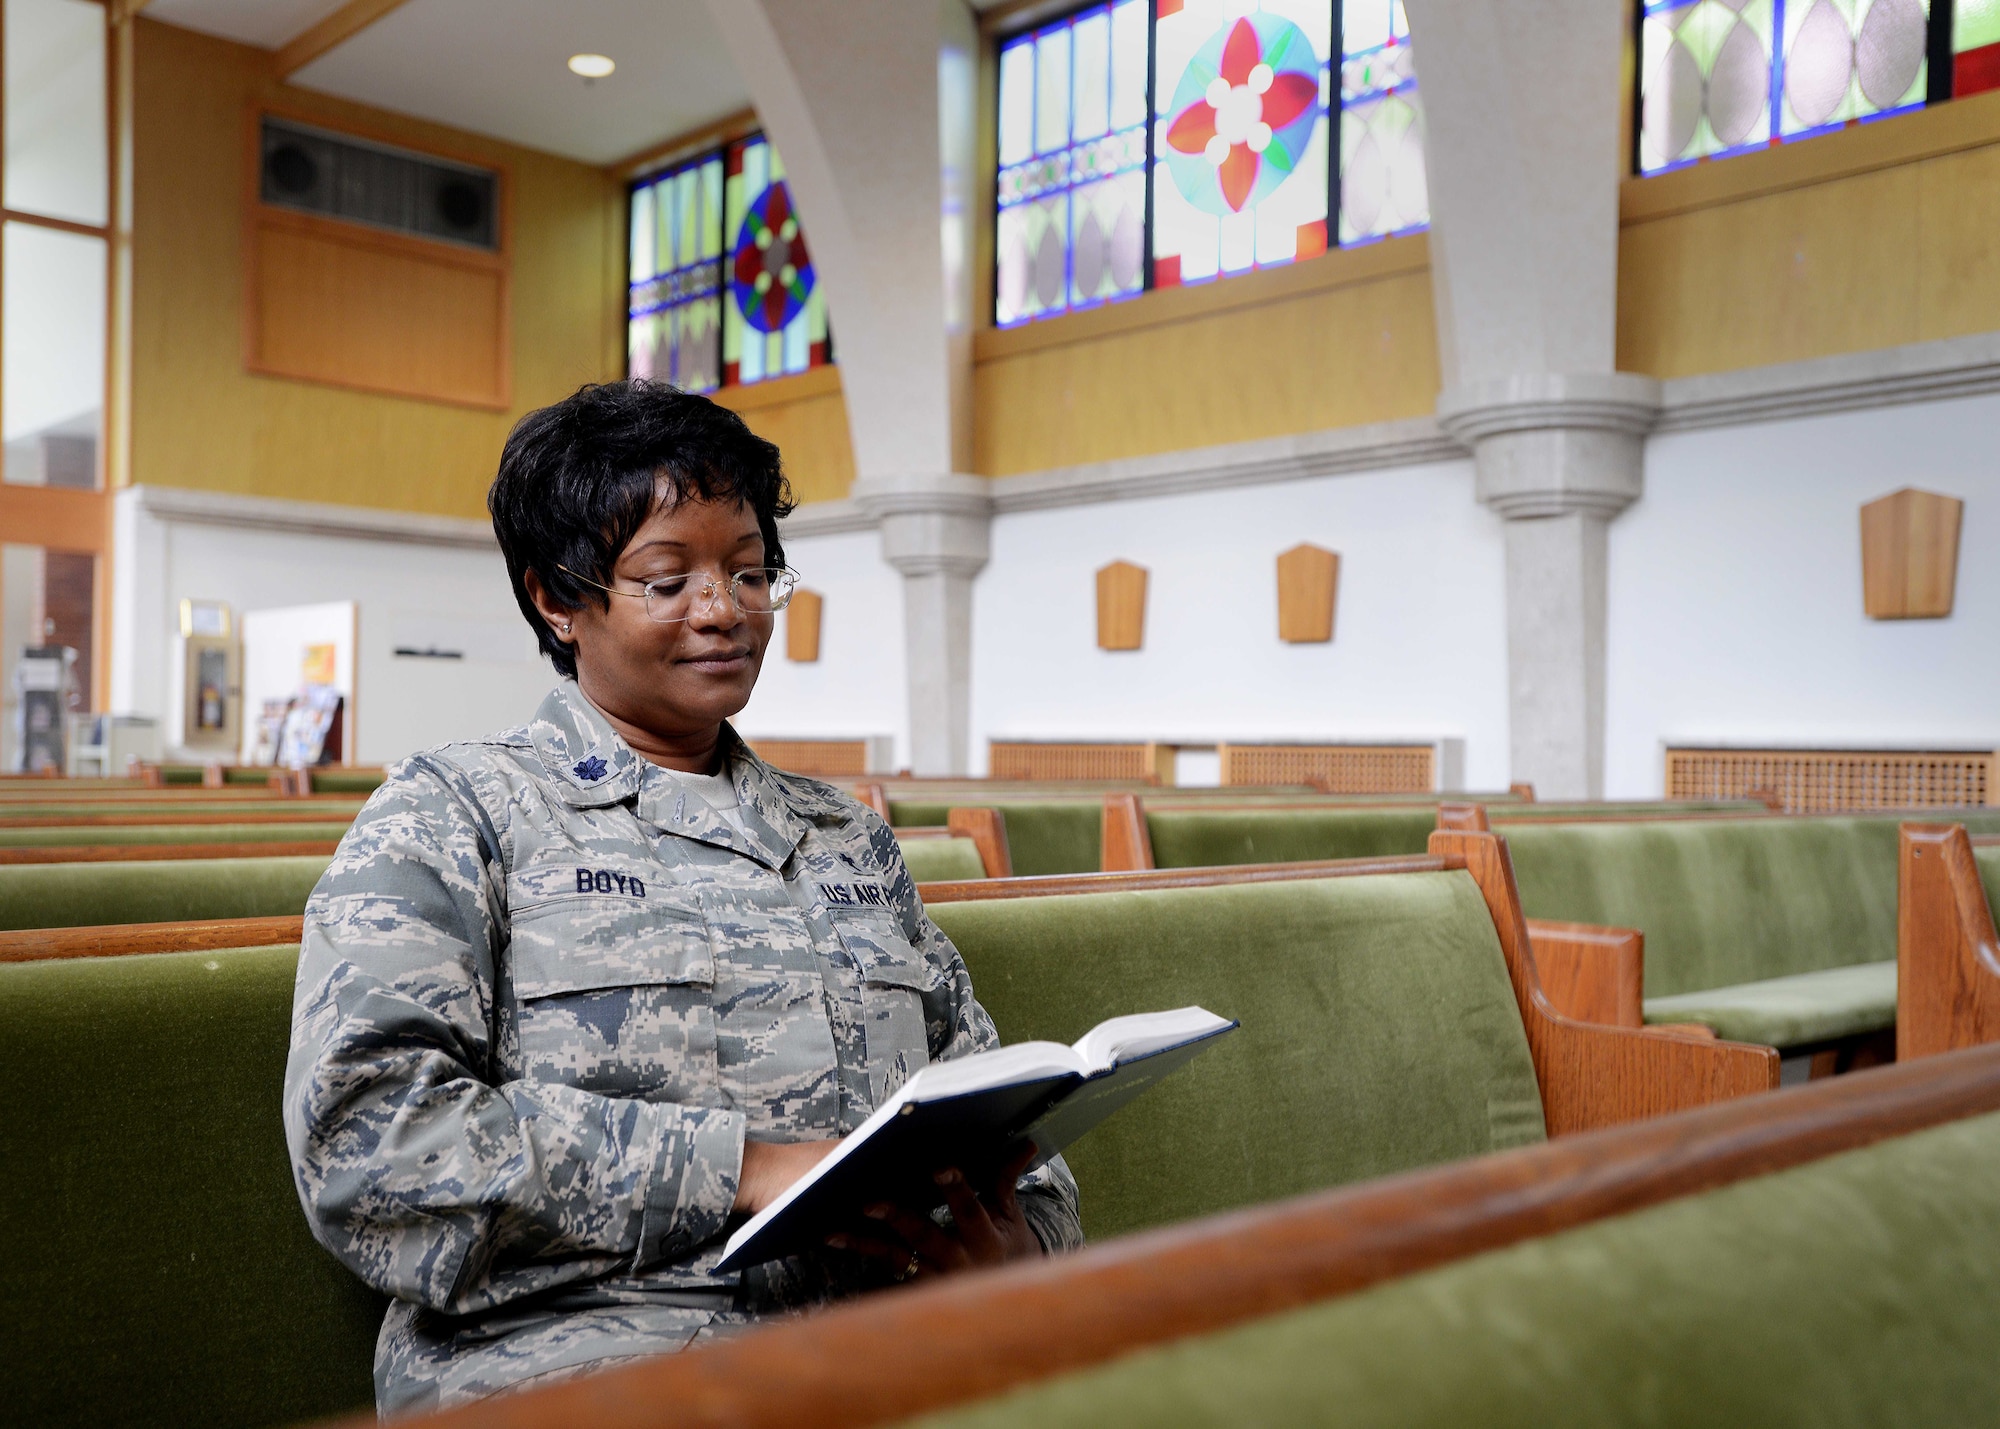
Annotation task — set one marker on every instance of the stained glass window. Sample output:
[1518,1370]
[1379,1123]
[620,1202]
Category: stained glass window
[1072,182]
[1721,77]
[1241,168]
[774,322]
[1383,187]
[1975,45]
[675,324]
[1235,171]
[722,286]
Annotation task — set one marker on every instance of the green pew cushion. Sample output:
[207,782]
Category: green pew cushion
[1525,812]
[1988,861]
[1790,1011]
[942,860]
[76,835]
[1043,836]
[159,1268]
[69,895]
[347,781]
[1192,838]
[1379,1031]
[16,813]
[1856,1290]
[1722,901]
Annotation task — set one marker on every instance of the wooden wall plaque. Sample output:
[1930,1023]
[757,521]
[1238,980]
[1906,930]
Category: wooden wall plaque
[1909,555]
[1307,578]
[1121,606]
[802,626]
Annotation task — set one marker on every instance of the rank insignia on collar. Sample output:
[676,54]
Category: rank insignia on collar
[590,770]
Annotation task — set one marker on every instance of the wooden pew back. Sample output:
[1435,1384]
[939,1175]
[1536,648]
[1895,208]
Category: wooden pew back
[980,1336]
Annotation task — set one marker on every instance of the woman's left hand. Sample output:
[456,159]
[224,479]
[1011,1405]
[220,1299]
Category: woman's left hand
[985,1229]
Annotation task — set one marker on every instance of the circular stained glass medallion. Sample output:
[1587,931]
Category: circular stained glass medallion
[1242,113]
[770,274]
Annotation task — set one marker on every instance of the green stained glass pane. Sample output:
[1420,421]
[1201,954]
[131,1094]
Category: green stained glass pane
[1975,23]
[672,333]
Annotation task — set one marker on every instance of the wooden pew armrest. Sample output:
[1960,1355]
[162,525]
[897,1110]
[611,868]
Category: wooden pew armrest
[1591,973]
[1607,1075]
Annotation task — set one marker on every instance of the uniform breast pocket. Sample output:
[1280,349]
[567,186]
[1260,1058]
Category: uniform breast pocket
[617,997]
[894,980]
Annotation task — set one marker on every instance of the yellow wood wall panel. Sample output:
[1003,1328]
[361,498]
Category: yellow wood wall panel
[1330,358]
[810,430]
[201,420]
[1959,272]
[332,310]
[1777,278]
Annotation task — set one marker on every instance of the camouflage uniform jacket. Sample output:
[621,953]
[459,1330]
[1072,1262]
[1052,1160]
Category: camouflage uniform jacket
[545,993]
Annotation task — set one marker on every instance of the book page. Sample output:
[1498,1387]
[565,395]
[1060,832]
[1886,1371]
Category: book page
[1120,1039]
[1022,1062]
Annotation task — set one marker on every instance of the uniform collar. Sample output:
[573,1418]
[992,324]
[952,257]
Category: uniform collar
[593,767]
[589,761]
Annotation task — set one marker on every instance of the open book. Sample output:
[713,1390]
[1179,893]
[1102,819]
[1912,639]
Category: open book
[972,1113]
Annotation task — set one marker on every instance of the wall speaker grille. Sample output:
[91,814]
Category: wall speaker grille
[338,176]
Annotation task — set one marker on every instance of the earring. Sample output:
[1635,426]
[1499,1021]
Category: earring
[565,627]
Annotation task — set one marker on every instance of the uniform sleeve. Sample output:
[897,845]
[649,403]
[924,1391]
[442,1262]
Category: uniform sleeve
[430,1179]
[958,1025]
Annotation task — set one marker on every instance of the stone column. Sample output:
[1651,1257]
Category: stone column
[872,107]
[1557,457]
[1524,260]
[934,531]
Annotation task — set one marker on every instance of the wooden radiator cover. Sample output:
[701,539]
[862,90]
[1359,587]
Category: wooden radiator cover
[1814,781]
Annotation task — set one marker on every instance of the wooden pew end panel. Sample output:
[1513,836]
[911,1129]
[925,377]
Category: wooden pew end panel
[1463,818]
[987,828]
[1947,950]
[1128,843]
[1594,1075]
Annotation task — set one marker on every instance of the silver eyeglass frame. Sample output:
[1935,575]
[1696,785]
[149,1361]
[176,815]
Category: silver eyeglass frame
[703,599]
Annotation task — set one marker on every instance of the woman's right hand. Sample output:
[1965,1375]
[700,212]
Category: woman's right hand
[770,1168]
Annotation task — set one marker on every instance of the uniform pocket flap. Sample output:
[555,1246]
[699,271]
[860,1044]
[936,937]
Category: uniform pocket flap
[876,940]
[581,947]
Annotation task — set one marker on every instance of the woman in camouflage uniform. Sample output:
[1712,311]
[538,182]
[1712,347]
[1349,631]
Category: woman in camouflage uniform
[574,998]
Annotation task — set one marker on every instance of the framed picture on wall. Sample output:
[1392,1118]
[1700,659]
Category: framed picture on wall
[208,618]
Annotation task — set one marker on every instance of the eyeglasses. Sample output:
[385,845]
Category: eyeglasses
[672,598]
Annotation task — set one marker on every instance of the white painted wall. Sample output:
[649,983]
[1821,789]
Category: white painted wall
[401,704]
[1419,647]
[856,687]
[1734,611]
[1735,591]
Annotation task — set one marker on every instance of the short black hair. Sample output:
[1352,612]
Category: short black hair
[577,480]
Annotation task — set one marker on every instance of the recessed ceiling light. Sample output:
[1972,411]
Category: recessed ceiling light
[591,66]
